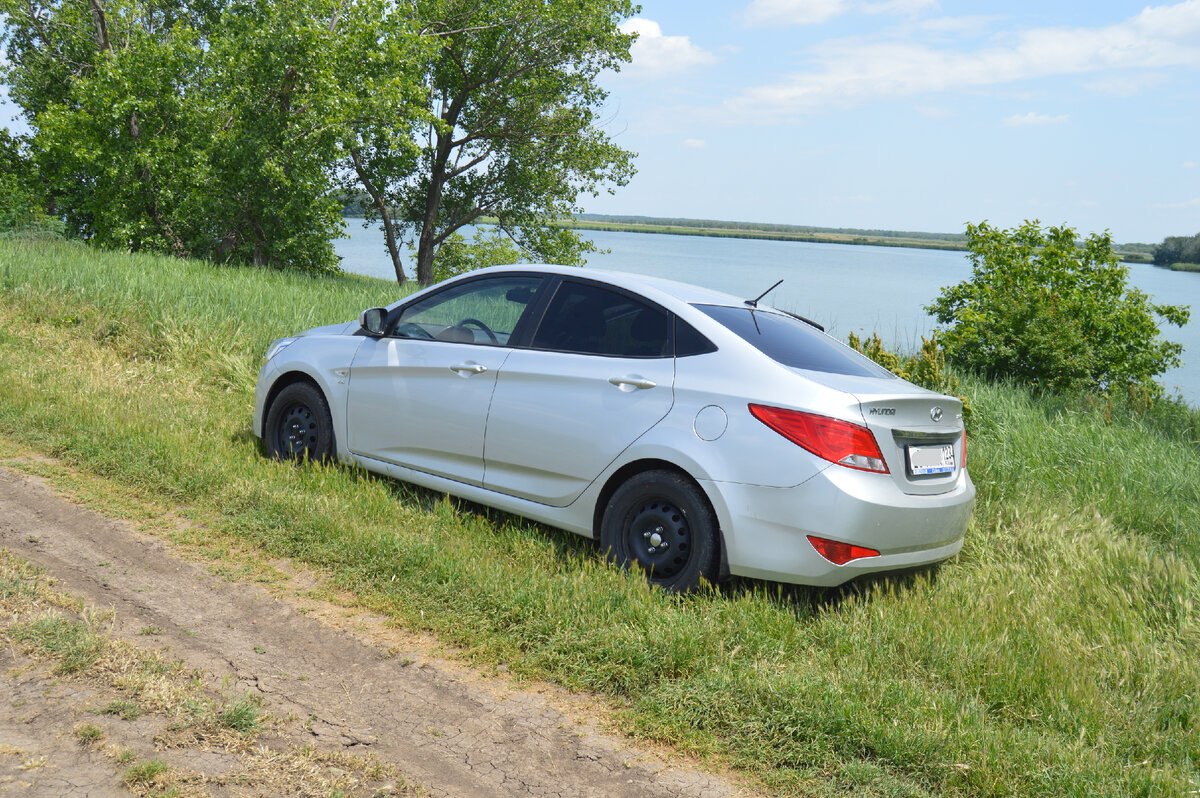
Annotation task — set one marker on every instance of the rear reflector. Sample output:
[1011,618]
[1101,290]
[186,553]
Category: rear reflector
[837,441]
[840,553]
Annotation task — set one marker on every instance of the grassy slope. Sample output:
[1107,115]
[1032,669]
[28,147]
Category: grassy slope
[1058,655]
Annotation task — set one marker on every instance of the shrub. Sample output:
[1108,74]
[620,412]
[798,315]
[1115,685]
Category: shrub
[1043,310]
[926,368]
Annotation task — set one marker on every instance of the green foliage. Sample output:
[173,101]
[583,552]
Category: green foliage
[456,256]
[1178,250]
[513,128]
[211,130]
[926,368]
[21,199]
[1048,312]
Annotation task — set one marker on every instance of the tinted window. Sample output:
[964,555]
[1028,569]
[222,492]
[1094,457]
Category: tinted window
[689,341]
[794,343]
[476,312]
[593,320]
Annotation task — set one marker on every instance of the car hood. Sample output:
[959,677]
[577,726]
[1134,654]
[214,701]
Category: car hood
[342,328]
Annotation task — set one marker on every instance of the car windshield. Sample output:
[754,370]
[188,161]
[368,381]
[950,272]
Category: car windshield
[792,342]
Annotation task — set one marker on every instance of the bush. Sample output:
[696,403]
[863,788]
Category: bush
[1048,312]
[926,368]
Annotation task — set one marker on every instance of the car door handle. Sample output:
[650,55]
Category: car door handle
[629,383]
[468,368]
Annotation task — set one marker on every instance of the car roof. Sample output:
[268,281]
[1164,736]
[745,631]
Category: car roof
[657,288]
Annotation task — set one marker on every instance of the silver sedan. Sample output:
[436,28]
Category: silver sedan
[695,434]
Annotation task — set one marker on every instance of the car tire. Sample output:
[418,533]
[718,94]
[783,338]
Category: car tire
[299,425]
[661,522]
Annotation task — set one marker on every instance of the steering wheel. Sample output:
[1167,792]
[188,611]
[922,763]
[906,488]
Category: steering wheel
[477,323]
[409,330]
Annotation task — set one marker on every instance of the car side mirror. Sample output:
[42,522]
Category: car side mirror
[372,321]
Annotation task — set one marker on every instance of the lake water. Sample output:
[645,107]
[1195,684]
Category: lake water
[845,288]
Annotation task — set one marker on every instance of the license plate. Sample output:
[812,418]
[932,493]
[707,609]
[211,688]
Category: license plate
[924,460]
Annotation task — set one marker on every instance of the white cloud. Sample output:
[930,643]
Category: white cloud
[1129,85]
[1190,164]
[850,71]
[899,6]
[695,144]
[655,54]
[793,12]
[1032,118]
[935,111]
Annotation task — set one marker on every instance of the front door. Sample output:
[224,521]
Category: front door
[419,396]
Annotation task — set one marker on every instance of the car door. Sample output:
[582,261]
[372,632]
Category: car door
[419,396]
[598,374]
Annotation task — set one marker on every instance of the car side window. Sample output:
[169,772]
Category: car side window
[484,311]
[592,320]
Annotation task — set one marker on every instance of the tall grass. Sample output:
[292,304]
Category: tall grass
[1058,655]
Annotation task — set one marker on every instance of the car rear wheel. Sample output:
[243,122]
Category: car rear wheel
[299,425]
[660,522]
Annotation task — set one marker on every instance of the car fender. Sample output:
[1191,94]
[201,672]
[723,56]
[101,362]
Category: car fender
[324,360]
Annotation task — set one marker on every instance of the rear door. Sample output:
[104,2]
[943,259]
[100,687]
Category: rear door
[599,373]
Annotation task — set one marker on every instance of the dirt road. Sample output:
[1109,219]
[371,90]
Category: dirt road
[334,685]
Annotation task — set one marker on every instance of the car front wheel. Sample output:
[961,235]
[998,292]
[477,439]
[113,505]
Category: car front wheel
[299,425]
[662,523]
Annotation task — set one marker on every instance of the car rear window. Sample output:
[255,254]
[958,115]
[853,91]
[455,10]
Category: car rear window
[793,342]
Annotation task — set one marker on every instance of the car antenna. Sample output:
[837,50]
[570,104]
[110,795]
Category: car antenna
[754,302]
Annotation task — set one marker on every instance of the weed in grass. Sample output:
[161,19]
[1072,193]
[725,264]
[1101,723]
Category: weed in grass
[144,773]
[123,708]
[243,714]
[150,630]
[125,756]
[88,734]
[73,643]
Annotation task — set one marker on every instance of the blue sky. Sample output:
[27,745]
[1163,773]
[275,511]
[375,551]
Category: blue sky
[911,114]
[914,114]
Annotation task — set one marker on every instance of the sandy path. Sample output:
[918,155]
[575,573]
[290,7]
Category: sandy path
[440,725]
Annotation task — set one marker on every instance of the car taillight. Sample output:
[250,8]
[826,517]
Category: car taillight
[964,457]
[840,442]
[840,553]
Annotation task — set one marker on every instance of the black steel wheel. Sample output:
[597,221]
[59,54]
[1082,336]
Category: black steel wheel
[660,522]
[299,425]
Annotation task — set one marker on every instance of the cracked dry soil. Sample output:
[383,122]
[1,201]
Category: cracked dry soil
[444,729]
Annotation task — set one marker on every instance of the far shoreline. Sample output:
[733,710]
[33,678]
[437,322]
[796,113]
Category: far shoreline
[953,242]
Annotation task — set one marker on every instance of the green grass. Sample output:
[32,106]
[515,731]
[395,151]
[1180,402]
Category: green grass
[1185,267]
[75,645]
[1058,655]
[144,773]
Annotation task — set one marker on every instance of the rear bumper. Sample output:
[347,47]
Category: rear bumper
[765,529]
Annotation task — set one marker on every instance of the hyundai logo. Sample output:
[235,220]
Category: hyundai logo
[935,413]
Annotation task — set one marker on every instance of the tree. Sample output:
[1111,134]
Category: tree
[20,197]
[1177,249]
[514,129]
[1046,311]
[208,129]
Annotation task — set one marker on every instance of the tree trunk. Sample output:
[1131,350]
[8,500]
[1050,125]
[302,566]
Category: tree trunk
[389,226]
[426,245]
